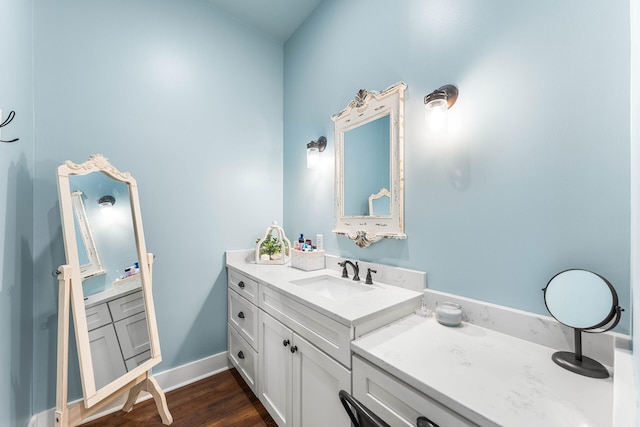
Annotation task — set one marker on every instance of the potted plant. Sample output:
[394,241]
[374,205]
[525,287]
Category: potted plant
[271,247]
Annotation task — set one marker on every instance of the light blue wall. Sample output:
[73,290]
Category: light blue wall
[190,102]
[534,176]
[16,207]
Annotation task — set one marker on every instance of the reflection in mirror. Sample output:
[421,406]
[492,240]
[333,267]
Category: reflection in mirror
[380,203]
[113,312]
[90,264]
[584,301]
[369,149]
[123,343]
[366,164]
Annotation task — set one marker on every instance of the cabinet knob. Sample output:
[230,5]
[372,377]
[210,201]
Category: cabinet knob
[241,285]
[286,343]
[240,355]
[294,348]
[425,422]
[241,315]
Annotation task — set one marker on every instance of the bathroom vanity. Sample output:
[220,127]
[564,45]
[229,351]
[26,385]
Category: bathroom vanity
[291,340]
[296,348]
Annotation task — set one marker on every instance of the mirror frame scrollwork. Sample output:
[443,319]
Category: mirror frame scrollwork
[70,277]
[366,107]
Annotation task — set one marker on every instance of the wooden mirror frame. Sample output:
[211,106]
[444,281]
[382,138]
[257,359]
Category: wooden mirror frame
[93,267]
[70,280]
[366,107]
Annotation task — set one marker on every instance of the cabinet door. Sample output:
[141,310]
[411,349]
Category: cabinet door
[274,371]
[317,379]
[133,335]
[105,352]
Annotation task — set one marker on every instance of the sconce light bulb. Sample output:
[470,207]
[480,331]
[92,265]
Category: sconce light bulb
[436,116]
[106,204]
[313,156]
[436,105]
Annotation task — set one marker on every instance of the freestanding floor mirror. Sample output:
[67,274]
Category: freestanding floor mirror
[107,282]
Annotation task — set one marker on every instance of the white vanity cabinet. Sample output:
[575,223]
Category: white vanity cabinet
[292,345]
[299,384]
[118,335]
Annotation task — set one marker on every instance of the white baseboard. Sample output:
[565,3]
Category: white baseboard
[168,380]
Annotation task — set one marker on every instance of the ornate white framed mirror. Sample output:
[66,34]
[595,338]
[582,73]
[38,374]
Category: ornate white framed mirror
[369,150]
[89,259]
[113,311]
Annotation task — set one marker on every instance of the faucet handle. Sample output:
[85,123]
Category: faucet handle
[343,264]
[369,280]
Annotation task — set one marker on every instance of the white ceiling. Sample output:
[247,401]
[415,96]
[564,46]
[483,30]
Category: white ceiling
[278,18]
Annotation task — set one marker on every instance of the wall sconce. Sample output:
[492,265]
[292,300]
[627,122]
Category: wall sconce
[314,148]
[106,203]
[436,105]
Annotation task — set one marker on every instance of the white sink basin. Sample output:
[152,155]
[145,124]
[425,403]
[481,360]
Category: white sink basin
[333,287]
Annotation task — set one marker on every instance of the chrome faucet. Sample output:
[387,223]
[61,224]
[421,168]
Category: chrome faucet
[356,269]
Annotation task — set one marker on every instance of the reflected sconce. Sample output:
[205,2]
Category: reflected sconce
[106,203]
[314,148]
[436,105]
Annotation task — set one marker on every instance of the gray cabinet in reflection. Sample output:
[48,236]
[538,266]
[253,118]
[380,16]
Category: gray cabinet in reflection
[118,335]
[106,353]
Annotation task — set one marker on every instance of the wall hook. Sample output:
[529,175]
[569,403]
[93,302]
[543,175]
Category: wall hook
[9,119]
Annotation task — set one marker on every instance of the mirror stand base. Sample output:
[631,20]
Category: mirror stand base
[150,385]
[586,366]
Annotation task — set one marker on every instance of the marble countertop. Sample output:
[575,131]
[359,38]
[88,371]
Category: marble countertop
[490,378]
[118,289]
[350,312]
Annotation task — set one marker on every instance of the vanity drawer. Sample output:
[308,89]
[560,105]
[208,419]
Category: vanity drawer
[244,317]
[244,358]
[138,360]
[396,402]
[243,285]
[327,334]
[126,306]
[97,316]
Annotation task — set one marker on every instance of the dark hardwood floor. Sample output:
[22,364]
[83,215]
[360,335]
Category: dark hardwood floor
[221,400]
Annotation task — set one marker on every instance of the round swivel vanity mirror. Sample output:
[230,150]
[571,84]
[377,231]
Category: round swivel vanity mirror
[584,301]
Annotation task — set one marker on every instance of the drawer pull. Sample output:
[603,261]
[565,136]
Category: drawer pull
[240,355]
[241,285]
[294,349]
[241,315]
[286,343]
